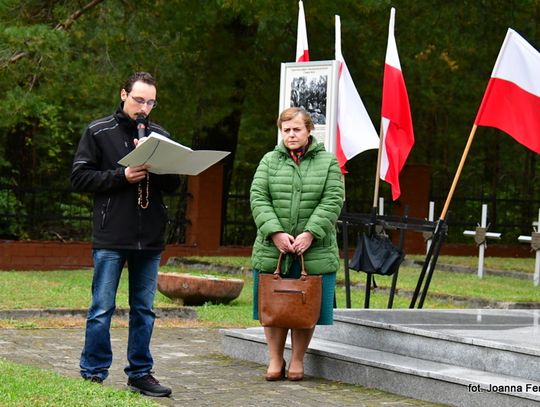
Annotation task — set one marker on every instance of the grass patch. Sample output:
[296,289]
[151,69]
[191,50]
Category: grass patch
[497,288]
[524,265]
[71,289]
[231,261]
[29,386]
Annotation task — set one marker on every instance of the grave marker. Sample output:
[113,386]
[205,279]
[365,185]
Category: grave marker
[534,240]
[480,235]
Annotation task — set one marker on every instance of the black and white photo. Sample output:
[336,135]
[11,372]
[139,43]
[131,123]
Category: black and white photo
[313,87]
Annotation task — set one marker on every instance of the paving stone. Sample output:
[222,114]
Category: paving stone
[190,361]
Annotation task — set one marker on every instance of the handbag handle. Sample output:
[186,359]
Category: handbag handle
[277,272]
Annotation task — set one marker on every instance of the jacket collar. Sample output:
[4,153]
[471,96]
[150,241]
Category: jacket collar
[314,147]
[123,119]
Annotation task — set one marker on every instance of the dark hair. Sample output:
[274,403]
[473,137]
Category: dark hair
[291,113]
[139,77]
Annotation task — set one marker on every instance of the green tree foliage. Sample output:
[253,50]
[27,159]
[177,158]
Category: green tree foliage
[217,62]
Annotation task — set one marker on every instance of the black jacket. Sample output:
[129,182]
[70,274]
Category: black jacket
[118,221]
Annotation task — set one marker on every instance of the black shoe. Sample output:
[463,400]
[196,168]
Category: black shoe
[94,379]
[149,386]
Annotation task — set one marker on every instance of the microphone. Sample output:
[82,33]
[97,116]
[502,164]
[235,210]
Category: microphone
[141,125]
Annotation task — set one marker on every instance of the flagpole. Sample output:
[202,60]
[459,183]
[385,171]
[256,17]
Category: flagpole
[458,172]
[378,169]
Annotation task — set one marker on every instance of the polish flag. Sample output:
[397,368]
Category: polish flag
[396,125]
[512,99]
[355,130]
[302,49]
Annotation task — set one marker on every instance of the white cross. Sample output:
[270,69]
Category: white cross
[480,235]
[535,244]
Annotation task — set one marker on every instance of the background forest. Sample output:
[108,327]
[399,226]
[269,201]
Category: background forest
[217,63]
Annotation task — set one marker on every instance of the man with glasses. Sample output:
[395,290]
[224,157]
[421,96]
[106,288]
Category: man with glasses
[129,220]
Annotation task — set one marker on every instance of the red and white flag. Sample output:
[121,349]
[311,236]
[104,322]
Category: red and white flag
[396,125]
[355,130]
[512,99]
[302,49]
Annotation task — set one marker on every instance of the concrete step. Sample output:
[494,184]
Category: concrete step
[412,377]
[485,340]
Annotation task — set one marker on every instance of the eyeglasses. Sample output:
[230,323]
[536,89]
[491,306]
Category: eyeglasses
[150,103]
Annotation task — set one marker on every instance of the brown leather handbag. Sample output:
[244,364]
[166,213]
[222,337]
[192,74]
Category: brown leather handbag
[289,302]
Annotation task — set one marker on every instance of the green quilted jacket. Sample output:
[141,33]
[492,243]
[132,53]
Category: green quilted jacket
[286,197]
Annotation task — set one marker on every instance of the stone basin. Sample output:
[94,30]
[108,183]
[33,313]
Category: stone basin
[196,290]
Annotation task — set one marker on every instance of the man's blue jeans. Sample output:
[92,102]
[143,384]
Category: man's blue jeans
[96,357]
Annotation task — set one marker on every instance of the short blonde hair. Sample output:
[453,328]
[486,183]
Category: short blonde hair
[291,112]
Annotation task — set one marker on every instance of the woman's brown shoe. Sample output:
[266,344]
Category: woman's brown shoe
[295,376]
[274,377]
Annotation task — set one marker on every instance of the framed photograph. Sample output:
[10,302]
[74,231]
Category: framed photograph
[312,86]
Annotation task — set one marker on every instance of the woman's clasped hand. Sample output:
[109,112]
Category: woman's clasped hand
[287,243]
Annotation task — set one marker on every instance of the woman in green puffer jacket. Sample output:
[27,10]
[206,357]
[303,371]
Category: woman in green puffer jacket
[296,197]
